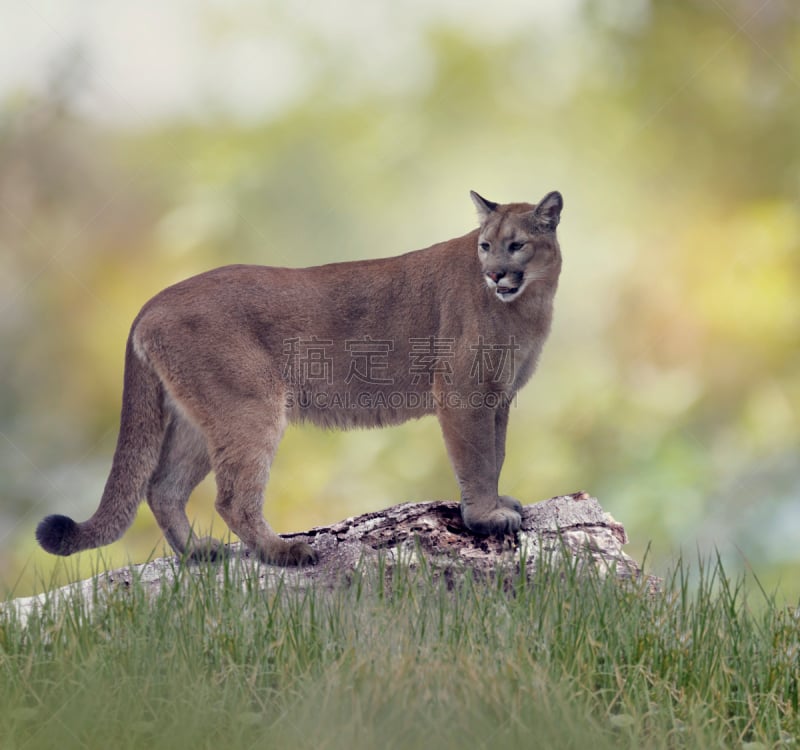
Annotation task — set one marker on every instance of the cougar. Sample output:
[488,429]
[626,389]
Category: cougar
[217,365]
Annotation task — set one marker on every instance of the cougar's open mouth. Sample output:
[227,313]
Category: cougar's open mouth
[506,292]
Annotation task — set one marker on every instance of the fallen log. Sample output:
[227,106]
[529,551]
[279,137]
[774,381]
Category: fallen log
[574,525]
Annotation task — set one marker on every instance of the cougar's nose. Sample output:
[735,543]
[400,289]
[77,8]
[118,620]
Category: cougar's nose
[495,275]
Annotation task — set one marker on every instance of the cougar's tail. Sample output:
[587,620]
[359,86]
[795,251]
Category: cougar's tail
[141,434]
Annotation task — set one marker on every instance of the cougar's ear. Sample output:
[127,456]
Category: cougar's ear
[549,209]
[484,207]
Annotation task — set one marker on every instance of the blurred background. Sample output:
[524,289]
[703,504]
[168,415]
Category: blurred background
[141,143]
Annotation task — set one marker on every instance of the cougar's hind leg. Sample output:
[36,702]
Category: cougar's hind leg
[183,464]
[241,454]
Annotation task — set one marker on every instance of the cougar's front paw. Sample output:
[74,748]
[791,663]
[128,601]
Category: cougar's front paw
[506,501]
[499,521]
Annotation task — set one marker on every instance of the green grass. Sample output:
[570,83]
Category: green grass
[564,661]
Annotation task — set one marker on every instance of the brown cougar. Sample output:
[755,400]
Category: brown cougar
[217,365]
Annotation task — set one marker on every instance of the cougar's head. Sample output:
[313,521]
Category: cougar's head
[517,244]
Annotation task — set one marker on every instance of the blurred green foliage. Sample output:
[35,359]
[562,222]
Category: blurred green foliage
[671,382]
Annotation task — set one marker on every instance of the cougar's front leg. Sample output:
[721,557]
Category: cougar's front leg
[470,435]
[500,427]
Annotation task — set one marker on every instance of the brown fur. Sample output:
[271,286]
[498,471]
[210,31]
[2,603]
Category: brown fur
[211,376]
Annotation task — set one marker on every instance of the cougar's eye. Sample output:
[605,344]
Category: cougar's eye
[514,246]
[484,246]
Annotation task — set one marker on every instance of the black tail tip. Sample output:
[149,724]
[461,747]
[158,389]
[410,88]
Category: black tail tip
[56,534]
